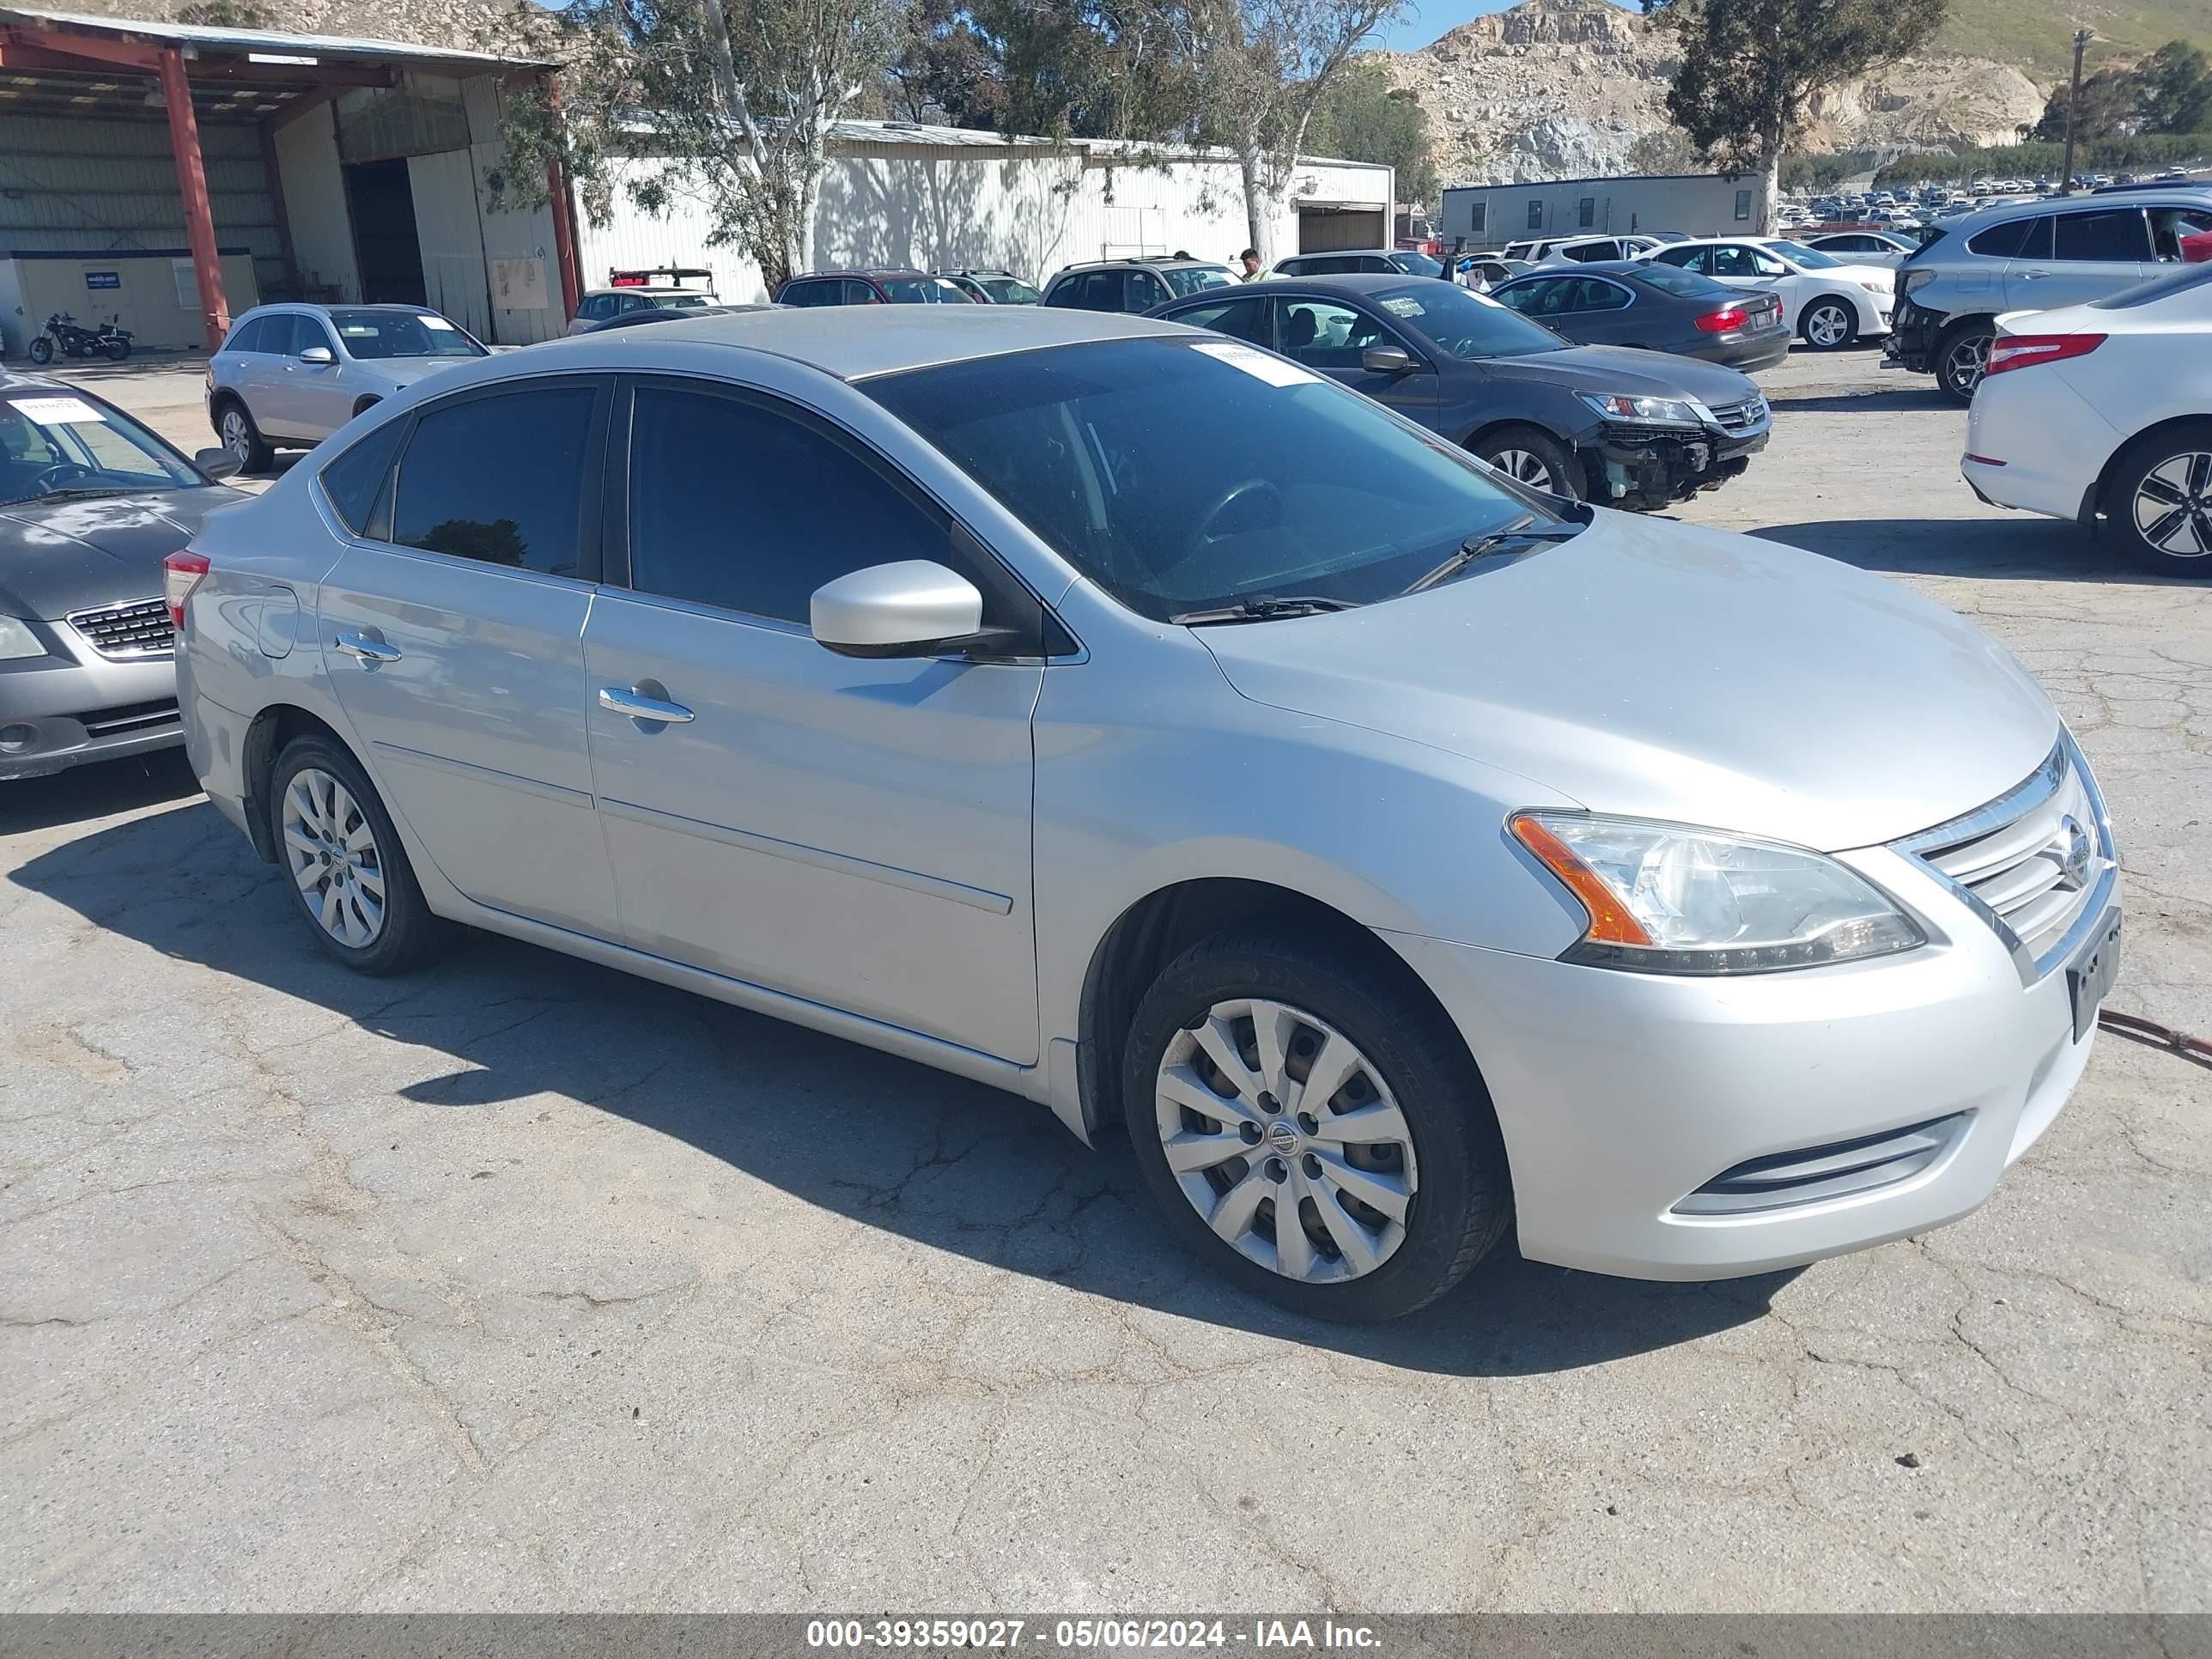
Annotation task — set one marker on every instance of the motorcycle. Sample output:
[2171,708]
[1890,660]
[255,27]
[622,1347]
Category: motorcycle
[72,339]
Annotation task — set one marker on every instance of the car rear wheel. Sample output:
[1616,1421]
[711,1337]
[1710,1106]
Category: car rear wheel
[1533,457]
[1961,356]
[2158,506]
[346,868]
[1829,323]
[234,426]
[1311,1129]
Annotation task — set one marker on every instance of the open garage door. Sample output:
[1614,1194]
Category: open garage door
[1325,229]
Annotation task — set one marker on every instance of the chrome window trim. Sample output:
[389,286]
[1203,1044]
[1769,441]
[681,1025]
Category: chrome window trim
[2024,797]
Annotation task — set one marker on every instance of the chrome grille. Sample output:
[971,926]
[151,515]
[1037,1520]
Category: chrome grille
[1745,416]
[139,628]
[2034,862]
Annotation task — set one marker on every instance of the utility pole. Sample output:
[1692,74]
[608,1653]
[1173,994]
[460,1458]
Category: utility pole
[2073,104]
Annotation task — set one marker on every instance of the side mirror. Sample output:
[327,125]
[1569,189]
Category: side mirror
[318,355]
[915,608]
[217,463]
[1387,360]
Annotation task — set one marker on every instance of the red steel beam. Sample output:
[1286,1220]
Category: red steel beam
[199,212]
[95,48]
[564,227]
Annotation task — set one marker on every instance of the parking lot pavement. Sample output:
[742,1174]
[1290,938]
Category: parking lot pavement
[522,1284]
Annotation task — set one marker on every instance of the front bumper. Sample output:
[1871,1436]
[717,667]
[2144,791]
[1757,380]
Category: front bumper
[1646,467]
[1622,1095]
[72,707]
[1911,340]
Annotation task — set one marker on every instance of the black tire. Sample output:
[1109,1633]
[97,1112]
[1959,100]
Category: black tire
[245,442]
[1831,306]
[1539,446]
[410,934]
[118,350]
[1961,351]
[1463,1198]
[42,351]
[2122,530]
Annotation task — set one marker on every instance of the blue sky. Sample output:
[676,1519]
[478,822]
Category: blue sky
[1425,20]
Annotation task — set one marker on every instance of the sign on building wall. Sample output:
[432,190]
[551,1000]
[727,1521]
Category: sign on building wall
[103,279]
[519,284]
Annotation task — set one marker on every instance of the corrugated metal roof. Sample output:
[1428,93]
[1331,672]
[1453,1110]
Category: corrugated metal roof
[875,133]
[267,40]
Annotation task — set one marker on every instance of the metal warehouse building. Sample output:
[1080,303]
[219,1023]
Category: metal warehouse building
[895,194]
[172,175]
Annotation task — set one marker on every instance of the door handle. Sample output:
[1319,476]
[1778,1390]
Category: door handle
[366,650]
[2033,276]
[620,700]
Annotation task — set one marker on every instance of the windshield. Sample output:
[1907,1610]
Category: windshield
[1414,263]
[62,443]
[377,334]
[1811,258]
[1465,324]
[1686,285]
[1190,475]
[922,291]
[1008,291]
[1196,279]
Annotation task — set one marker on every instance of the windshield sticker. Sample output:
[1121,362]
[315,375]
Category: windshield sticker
[360,330]
[1258,364]
[1403,306]
[438,322]
[58,411]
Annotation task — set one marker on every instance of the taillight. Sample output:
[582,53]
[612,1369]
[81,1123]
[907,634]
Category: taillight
[2009,351]
[181,572]
[1719,322]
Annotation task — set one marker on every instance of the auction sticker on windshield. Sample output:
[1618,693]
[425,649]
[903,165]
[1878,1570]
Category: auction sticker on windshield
[57,411]
[1257,363]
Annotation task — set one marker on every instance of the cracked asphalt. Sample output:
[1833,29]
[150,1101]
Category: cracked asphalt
[524,1284]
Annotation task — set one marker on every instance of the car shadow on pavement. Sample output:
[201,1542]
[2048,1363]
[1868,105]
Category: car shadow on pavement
[1891,400]
[947,1164]
[93,791]
[2022,546]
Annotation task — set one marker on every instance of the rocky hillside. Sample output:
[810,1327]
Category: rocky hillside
[468,25]
[1563,88]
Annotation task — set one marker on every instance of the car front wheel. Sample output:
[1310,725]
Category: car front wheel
[1530,457]
[347,869]
[1313,1129]
[2159,506]
[243,439]
[1829,325]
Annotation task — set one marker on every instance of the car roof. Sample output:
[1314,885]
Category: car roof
[318,305]
[1586,268]
[852,343]
[863,272]
[1143,264]
[1338,252]
[2164,196]
[1347,281]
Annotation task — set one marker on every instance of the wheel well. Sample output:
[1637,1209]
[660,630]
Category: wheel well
[1159,927]
[1828,299]
[2097,502]
[1957,325]
[1566,446]
[272,728]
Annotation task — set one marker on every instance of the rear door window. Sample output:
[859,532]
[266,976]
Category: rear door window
[2116,235]
[2007,241]
[500,478]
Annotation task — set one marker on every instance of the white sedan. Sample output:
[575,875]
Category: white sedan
[1862,247]
[2102,413]
[1830,304]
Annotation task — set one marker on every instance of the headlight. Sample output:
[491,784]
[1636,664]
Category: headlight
[1665,898]
[18,641]
[1644,411]
[1877,285]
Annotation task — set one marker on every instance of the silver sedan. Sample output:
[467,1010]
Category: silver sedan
[1127,717]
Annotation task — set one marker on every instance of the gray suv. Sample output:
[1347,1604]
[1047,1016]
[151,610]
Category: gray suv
[2030,256]
[289,375]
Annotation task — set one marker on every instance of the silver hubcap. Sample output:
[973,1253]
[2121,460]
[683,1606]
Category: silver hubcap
[235,437]
[332,853]
[1521,464]
[1287,1139]
[1827,325]
[2173,506]
[1965,364]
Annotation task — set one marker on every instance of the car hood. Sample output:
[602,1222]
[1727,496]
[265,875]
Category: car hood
[1667,672]
[1625,370]
[64,555]
[1879,278]
[398,373]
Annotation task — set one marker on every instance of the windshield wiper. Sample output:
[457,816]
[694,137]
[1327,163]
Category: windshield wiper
[80,492]
[1262,607]
[1522,529]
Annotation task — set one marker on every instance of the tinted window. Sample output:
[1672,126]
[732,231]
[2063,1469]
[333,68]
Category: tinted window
[353,482]
[1593,294]
[923,291]
[597,306]
[1547,296]
[1305,488]
[498,478]
[251,335]
[851,293]
[1684,284]
[728,508]
[1246,318]
[1686,259]
[2003,241]
[807,293]
[2116,235]
[1591,251]
[1321,335]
